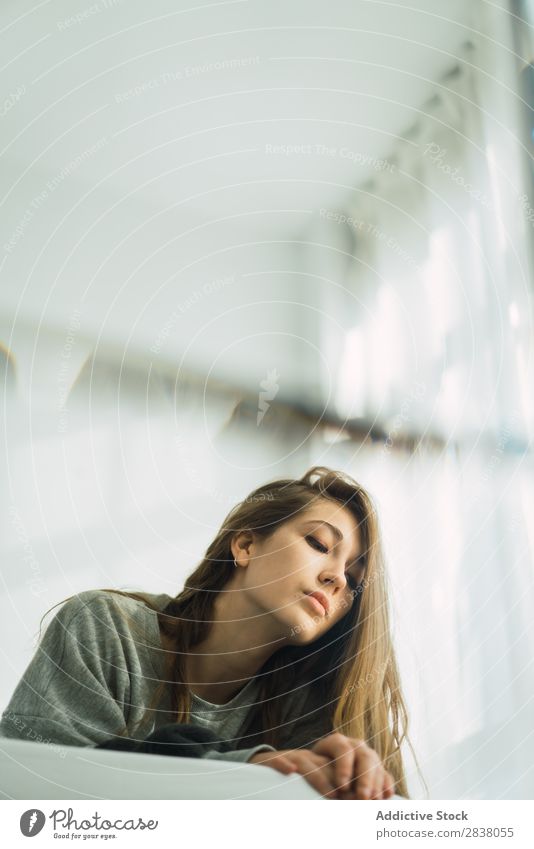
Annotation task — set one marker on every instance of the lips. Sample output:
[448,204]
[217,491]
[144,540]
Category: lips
[321,599]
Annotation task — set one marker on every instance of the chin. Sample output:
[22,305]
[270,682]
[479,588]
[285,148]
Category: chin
[305,629]
[306,638]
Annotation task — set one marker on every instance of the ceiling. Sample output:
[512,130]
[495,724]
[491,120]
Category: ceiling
[197,103]
[150,151]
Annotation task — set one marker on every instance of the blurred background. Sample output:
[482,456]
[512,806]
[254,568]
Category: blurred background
[241,238]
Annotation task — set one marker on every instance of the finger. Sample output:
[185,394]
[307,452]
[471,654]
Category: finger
[389,785]
[366,774]
[362,760]
[371,780]
[344,768]
[304,758]
[328,768]
[378,783]
[384,783]
[341,751]
[283,764]
[314,769]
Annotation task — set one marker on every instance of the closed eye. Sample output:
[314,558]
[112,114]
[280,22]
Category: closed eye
[314,542]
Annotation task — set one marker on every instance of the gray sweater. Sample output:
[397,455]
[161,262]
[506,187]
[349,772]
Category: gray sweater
[93,672]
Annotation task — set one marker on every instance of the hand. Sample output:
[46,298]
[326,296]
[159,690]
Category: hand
[316,769]
[359,772]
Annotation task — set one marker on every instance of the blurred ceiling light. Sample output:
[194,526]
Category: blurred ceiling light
[496,195]
[351,383]
[525,390]
[332,435]
[386,341]
[513,313]
[440,285]
[450,405]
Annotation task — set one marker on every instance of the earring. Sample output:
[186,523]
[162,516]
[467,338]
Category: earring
[235,564]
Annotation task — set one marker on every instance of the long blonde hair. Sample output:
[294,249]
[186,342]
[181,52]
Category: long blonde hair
[351,669]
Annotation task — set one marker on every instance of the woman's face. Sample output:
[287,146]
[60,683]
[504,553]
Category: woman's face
[305,574]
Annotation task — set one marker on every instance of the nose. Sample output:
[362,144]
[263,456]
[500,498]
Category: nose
[335,576]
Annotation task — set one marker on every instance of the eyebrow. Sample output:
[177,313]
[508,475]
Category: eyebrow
[338,535]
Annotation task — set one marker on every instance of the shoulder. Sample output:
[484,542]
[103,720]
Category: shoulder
[89,602]
[94,609]
[114,599]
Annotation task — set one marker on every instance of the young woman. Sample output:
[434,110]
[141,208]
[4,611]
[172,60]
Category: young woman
[277,651]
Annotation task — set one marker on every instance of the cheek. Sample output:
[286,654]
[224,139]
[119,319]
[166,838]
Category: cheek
[285,566]
[271,584]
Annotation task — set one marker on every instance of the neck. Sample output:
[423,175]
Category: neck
[241,639]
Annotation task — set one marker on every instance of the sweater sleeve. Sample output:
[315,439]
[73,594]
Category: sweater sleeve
[238,755]
[75,690]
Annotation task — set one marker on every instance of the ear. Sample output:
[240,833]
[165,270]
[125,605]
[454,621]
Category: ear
[241,547]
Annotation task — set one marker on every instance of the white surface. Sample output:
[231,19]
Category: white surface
[30,770]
